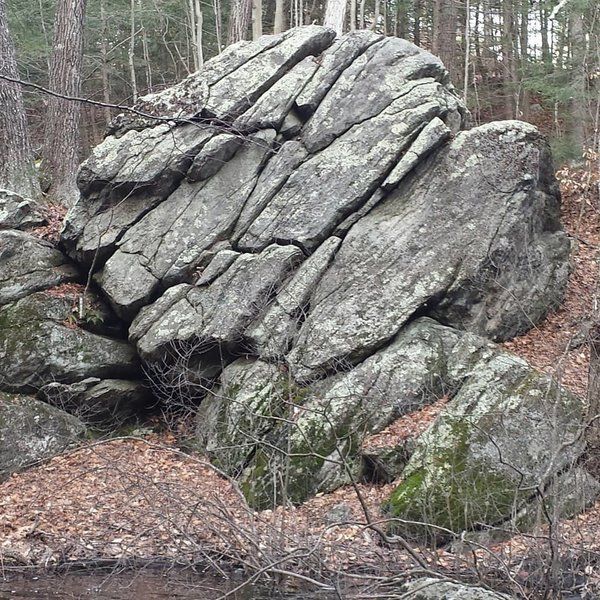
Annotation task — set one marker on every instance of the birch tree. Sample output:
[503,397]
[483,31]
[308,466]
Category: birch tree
[335,15]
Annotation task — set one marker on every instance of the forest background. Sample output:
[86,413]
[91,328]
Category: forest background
[538,61]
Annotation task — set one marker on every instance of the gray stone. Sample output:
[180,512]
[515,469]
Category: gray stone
[217,314]
[478,230]
[474,466]
[438,589]
[374,80]
[166,246]
[272,107]
[277,171]
[100,402]
[217,266]
[28,264]
[339,513]
[321,436]
[41,340]
[298,213]
[31,430]
[433,135]
[275,330]
[17,212]
[234,417]
[235,93]
[216,152]
[331,64]
[122,180]
[188,98]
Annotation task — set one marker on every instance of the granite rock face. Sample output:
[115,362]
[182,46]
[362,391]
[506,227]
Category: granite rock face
[310,225]
[31,430]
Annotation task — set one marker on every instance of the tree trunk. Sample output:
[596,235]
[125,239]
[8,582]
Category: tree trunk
[104,65]
[335,15]
[218,24]
[279,24]
[131,53]
[352,15]
[445,25]
[593,410]
[417,25]
[61,148]
[239,20]
[17,171]
[579,114]
[508,59]
[256,19]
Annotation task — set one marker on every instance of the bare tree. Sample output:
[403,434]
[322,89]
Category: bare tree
[279,23]
[256,19]
[239,20]
[17,171]
[335,15]
[61,148]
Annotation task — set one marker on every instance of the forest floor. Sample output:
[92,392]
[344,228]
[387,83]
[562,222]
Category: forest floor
[117,499]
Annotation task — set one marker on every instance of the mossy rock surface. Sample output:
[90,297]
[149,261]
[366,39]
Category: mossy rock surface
[503,438]
[31,430]
[41,341]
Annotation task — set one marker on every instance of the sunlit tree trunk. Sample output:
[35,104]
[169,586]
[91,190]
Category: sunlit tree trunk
[256,19]
[335,15]
[61,147]
[279,23]
[17,172]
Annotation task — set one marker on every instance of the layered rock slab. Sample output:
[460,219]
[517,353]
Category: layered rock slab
[508,435]
[28,264]
[475,220]
[329,199]
[31,430]
[41,341]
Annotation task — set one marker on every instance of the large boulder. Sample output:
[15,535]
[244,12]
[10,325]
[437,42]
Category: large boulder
[429,588]
[31,430]
[508,436]
[281,228]
[17,212]
[28,264]
[42,340]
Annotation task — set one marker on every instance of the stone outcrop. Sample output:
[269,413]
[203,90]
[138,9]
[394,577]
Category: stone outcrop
[31,430]
[28,264]
[42,340]
[306,236]
[429,588]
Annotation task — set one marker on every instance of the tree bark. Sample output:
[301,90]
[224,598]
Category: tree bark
[445,25]
[104,66]
[218,24]
[257,9]
[579,113]
[239,20]
[279,23]
[593,410]
[62,142]
[131,53]
[508,59]
[335,15]
[417,25]
[17,171]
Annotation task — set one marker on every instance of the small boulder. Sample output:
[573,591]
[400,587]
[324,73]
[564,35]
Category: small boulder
[31,430]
